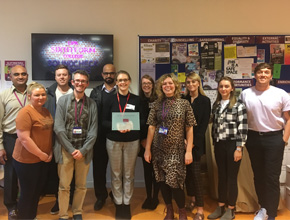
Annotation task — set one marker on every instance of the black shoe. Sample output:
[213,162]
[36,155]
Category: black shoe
[99,204]
[154,204]
[119,212]
[127,212]
[12,215]
[147,204]
[55,209]
[77,217]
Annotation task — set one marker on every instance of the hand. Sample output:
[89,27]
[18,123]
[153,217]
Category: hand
[124,131]
[3,157]
[238,155]
[77,155]
[188,158]
[44,156]
[147,156]
[49,157]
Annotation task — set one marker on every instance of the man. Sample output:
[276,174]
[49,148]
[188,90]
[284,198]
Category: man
[61,87]
[76,130]
[268,115]
[11,101]
[100,158]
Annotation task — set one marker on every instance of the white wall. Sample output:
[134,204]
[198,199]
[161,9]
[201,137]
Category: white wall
[126,19]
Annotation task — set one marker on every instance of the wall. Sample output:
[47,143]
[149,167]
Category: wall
[126,19]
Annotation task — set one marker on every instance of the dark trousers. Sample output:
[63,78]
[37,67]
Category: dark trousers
[100,163]
[193,182]
[10,176]
[227,171]
[266,154]
[149,177]
[32,179]
[177,193]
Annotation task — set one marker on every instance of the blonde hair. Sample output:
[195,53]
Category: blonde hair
[195,77]
[159,91]
[34,85]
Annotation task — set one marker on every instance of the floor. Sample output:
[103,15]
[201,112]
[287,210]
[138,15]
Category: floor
[108,212]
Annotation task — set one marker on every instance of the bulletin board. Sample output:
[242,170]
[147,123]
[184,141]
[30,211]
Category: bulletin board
[214,56]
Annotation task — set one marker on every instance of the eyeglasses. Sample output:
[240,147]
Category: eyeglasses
[146,83]
[123,80]
[107,73]
[18,74]
[80,81]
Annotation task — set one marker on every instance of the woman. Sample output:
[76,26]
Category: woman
[33,150]
[170,120]
[122,144]
[148,96]
[201,109]
[229,136]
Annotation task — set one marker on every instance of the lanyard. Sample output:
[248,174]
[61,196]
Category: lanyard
[76,108]
[165,110]
[22,105]
[120,104]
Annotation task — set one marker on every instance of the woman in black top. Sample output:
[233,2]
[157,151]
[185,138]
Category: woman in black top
[201,109]
[122,144]
[148,96]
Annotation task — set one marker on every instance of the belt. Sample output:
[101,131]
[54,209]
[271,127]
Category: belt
[268,133]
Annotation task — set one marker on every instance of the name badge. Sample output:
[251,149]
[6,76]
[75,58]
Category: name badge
[163,130]
[77,130]
[130,106]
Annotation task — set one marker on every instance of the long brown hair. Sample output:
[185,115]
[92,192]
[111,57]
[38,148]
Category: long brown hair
[233,98]
[153,95]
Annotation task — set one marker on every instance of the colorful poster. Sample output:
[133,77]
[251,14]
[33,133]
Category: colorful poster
[261,56]
[10,63]
[277,53]
[162,53]
[209,81]
[179,52]
[246,51]
[190,67]
[287,54]
[193,50]
[181,77]
[174,69]
[230,51]
[147,53]
[277,71]
[239,68]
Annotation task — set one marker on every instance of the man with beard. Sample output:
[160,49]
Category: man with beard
[100,157]
[11,101]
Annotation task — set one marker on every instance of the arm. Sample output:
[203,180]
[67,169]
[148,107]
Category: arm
[287,126]
[28,143]
[150,135]
[189,145]
[3,156]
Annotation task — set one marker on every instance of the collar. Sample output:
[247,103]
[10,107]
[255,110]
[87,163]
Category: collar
[107,91]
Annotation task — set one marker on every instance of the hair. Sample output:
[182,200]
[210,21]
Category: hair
[82,72]
[61,66]
[233,98]
[34,85]
[195,77]
[159,91]
[153,95]
[123,72]
[264,66]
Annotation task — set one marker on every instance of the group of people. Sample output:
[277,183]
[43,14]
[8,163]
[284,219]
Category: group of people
[48,138]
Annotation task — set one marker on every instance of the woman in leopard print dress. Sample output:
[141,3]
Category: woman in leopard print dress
[170,121]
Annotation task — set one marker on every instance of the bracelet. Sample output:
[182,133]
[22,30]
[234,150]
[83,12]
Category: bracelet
[239,149]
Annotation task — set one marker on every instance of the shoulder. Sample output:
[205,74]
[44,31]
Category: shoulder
[51,89]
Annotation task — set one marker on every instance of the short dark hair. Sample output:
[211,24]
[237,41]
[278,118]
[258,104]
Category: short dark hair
[61,66]
[82,72]
[264,66]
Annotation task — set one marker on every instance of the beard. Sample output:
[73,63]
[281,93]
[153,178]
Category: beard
[109,80]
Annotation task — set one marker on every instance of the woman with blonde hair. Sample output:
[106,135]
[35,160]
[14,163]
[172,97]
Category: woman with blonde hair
[201,107]
[33,150]
[170,120]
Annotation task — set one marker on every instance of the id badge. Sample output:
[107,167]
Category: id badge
[77,130]
[163,130]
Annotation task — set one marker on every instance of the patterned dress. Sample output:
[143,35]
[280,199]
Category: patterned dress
[168,151]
